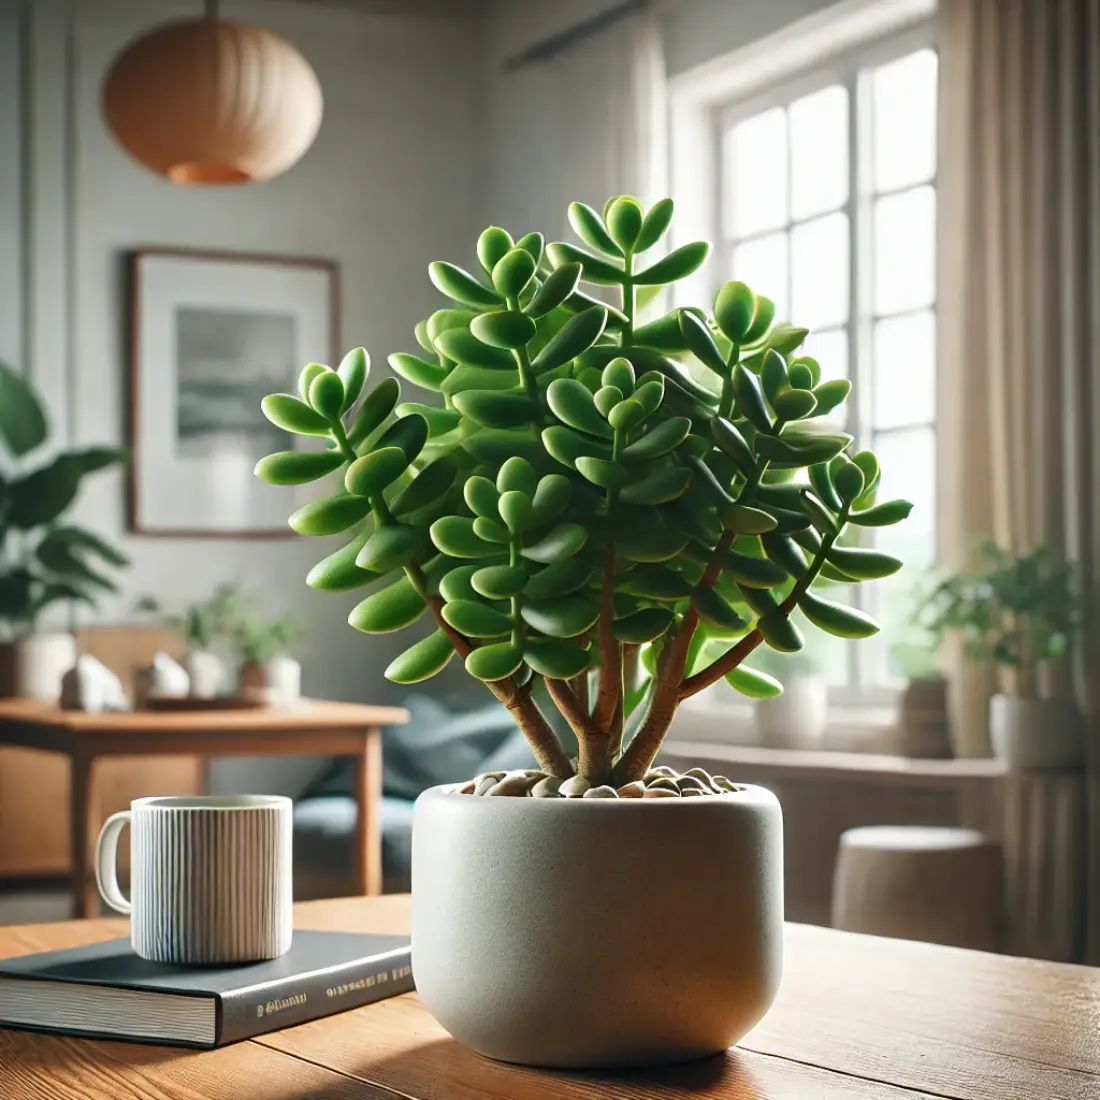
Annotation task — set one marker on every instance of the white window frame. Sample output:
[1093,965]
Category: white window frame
[837,45]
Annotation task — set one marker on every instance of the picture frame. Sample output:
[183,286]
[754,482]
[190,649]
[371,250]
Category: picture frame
[210,334]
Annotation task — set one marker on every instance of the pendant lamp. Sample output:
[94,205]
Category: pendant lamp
[209,102]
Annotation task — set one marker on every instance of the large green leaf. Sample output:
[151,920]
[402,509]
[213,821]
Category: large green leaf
[498,582]
[654,225]
[369,475]
[883,515]
[591,229]
[353,371]
[835,618]
[297,467]
[864,565]
[750,571]
[560,579]
[734,305]
[43,495]
[22,419]
[714,609]
[658,487]
[294,415]
[421,661]
[454,535]
[329,515]
[513,271]
[560,543]
[678,264]
[80,538]
[389,609]
[562,618]
[376,406]
[652,544]
[596,269]
[476,620]
[755,685]
[339,573]
[495,408]
[389,547]
[559,285]
[643,625]
[494,662]
[666,436]
[560,660]
[465,348]
[574,337]
[567,445]
[429,486]
[462,286]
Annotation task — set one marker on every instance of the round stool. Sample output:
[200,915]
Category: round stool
[919,882]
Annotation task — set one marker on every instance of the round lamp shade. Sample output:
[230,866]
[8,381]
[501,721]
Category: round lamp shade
[210,101]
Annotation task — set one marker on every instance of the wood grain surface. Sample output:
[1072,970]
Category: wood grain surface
[857,1018]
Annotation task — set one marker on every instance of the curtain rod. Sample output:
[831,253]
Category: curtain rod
[574,35]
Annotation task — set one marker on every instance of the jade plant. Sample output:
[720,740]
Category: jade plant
[624,511]
[44,560]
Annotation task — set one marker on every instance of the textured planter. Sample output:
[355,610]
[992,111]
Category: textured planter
[797,719]
[207,673]
[1036,734]
[277,682]
[923,719]
[34,666]
[587,932]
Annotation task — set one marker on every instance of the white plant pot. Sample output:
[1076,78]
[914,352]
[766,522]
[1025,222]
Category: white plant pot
[1036,734]
[583,932]
[797,718]
[277,682]
[208,673]
[41,661]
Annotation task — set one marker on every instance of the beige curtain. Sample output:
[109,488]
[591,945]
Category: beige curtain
[1019,194]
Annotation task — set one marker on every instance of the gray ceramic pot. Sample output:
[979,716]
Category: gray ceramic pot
[590,932]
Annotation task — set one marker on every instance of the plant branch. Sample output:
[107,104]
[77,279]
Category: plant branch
[611,663]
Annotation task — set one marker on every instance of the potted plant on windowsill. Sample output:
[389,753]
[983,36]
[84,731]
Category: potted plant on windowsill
[1022,614]
[44,561]
[620,513]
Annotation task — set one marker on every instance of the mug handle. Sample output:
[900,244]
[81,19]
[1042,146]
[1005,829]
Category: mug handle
[106,862]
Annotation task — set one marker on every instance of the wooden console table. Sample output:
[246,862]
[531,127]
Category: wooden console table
[315,728]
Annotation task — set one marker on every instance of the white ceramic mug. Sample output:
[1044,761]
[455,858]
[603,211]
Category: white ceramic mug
[210,879]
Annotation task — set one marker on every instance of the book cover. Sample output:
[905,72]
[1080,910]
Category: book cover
[105,990]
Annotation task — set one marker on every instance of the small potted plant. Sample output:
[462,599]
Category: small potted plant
[923,719]
[794,714]
[268,674]
[44,561]
[201,626]
[1020,613]
[620,514]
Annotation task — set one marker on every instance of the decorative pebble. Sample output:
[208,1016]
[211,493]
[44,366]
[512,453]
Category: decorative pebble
[687,792]
[701,774]
[659,771]
[514,785]
[574,786]
[547,787]
[689,783]
[601,792]
[725,784]
[632,790]
[663,783]
[468,788]
[486,784]
[660,792]
[535,772]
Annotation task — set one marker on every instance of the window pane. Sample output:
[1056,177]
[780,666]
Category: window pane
[904,96]
[819,152]
[763,265]
[756,171]
[907,458]
[828,655]
[830,349]
[819,272]
[905,250]
[905,371]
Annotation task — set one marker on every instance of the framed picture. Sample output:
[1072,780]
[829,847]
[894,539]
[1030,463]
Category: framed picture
[211,334]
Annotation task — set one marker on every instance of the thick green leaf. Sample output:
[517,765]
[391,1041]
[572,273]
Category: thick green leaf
[551,497]
[534,243]
[654,225]
[819,515]
[658,487]
[595,269]
[461,345]
[773,375]
[678,264]
[734,306]
[626,415]
[515,510]
[883,515]
[455,583]
[822,481]
[297,467]
[22,419]
[589,226]
[602,472]
[292,415]
[561,618]
[573,404]
[655,582]
[700,342]
[785,552]
[389,609]
[794,404]
[439,421]
[409,433]
[800,375]
[419,372]
[750,401]
[329,515]
[559,285]
[421,661]
[498,582]
[558,544]
[493,445]
[835,618]
[662,334]
[652,544]
[864,565]
[42,496]
[432,483]
[512,272]
[867,462]
[559,579]
[516,475]
[376,406]
[665,437]
[745,520]
[619,373]
[780,633]
[606,398]
[80,538]
[714,609]
[493,244]
[476,620]
[707,481]
[732,442]
[643,625]
[800,451]
[390,547]
[646,360]
[339,573]
[481,496]
[575,336]
[494,662]
[763,314]
[650,393]
[326,395]
[369,475]
[454,535]
[462,286]
[505,329]
[491,530]
[750,571]
[495,408]
[831,394]
[624,221]
[753,684]
[566,445]
[443,320]
[849,482]
[559,660]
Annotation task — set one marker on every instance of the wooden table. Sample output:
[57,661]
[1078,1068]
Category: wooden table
[315,728]
[857,1017]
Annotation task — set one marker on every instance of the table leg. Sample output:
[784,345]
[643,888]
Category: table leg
[83,829]
[367,789]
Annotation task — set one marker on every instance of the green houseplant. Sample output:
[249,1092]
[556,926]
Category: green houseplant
[268,674]
[624,512]
[44,560]
[1018,612]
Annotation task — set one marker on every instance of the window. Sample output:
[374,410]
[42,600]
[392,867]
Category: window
[827,204]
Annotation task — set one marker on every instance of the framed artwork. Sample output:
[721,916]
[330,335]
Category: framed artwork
[211,334]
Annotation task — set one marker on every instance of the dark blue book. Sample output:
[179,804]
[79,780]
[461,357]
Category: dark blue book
[105,991]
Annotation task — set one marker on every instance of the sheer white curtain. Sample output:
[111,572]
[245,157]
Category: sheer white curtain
[584,124]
